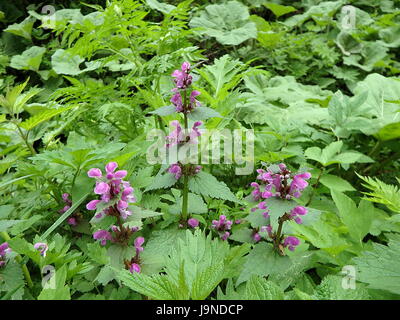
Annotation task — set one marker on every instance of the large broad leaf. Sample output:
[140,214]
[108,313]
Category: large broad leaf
[30,59]
[23,29]
[63,62]
[228,23]
[379,267]
[207,185]
[278,9]
[381,90]
[358,220]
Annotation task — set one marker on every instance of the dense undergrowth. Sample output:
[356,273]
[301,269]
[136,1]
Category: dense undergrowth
[84,214]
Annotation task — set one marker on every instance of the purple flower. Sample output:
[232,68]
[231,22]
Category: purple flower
[42,248]
[193,223]
[95,173]
[298,211]
[134,268]
[92,204]
[101,188]
[222,225]
[138,245]
[4,249]
[103,236]
[182,77]
[225,235]
[176,170]
[178,136]
[291,243]
[256,237]
[72,221]
[177,102]
[112,187]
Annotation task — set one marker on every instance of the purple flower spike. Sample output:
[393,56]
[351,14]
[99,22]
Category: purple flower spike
[103,236]
[193,223]
[42,248]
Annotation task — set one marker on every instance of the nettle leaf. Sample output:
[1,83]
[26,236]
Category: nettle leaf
[379,267]
[258,288]
[358,220]
[229,23]
[11,276]
[162,181]
[196,205]
[263,260]
[207,185]
[164,111]
[331,288]
[203,113]
[30,59]
[277,208]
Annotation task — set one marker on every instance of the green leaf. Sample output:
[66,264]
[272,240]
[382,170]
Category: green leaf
[331,288]
[358,220]
[160,6]
[164,111]
[23,29]
[229,23]
[203,113]
[37,119]
[30,59]
[162,181]
[11,276]
[258,288]
[64,62]
[278,9]
[61,291]
[379,267]
[336,183]
[64,216]
[207,185]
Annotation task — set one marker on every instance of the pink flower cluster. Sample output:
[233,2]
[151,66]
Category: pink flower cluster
[183,80]
[221,226]
[291,243]
[103,235]
[4,249]
[179,137]
[111,187]
[177,170]
[282,184]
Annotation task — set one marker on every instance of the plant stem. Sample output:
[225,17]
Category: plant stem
[315,186]
[18,258]
[185,191]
